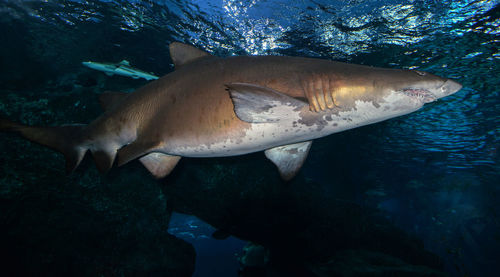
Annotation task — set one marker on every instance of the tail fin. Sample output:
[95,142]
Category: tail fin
[63,139]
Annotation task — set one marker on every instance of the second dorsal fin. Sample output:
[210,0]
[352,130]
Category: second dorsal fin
[182,54]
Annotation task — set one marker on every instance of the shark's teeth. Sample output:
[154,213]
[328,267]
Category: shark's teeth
[421,94]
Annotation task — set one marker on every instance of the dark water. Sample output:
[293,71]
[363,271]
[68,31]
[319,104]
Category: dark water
[434,173]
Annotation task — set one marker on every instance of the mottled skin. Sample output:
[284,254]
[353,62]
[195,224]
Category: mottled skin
[191,106]
[192,111]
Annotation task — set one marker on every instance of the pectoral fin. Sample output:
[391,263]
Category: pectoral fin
[289,158]
[159,164]
[258,104]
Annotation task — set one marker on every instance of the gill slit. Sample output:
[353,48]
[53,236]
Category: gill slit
[321,92]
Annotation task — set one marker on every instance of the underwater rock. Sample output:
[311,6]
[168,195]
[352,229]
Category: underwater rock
[349,263]
[52,227]
[360,263]
[57,227]
[86,81]
[21,68]
[254,256]
[85,224]
[299,222]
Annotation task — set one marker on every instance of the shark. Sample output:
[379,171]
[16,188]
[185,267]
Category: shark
[122,68]
[216,107]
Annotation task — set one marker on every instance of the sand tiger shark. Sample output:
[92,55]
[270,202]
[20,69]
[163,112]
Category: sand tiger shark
[215,107]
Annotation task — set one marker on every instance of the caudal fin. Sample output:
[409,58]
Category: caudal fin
[63,139]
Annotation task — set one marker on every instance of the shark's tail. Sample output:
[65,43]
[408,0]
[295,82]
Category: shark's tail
[64,139]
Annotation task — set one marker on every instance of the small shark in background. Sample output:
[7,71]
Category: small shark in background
[122,68]
[216,107]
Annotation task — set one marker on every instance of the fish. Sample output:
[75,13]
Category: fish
[217,107]
[122,68]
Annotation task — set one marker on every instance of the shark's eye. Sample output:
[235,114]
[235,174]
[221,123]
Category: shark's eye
[420,73]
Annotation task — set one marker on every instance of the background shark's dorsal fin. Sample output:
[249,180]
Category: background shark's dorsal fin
[182,54]
[125,62]
[109,99]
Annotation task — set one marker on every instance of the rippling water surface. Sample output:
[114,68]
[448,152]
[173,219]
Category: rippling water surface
[435,171]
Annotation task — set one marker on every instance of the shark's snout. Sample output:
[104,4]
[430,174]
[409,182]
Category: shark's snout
[90,65]
[449,87]
[431,91]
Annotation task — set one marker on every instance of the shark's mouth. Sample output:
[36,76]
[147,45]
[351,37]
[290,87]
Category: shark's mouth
[420,94]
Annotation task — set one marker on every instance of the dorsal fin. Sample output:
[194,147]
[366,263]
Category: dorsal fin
[182,54]
[108,99]
[125,62]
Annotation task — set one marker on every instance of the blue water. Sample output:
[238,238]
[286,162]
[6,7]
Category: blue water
[435,173]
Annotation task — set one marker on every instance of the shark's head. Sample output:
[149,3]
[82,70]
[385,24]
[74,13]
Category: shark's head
[89,64]
[100,66]
[421,87]
[393,90]
[367,95]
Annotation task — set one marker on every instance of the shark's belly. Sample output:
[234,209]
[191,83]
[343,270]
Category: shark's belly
[262,136]
[259,137]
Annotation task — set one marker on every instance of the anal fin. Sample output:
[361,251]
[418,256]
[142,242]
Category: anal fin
[103,160]
[159,164]
[289,158]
